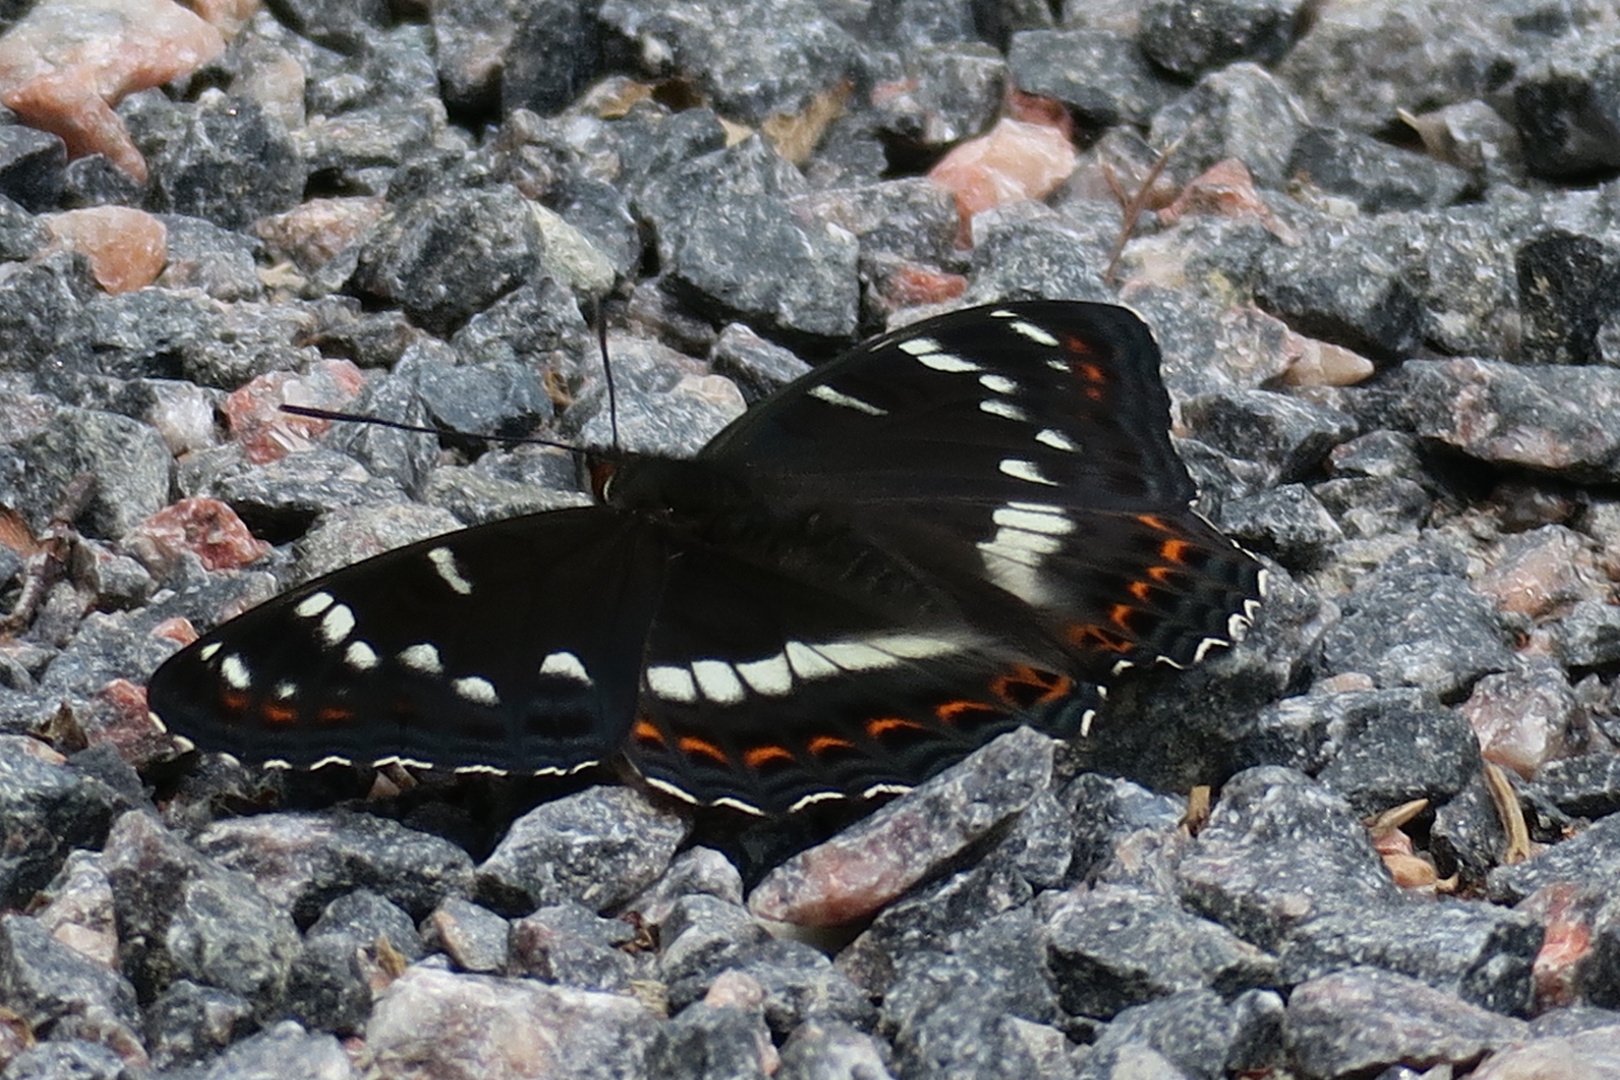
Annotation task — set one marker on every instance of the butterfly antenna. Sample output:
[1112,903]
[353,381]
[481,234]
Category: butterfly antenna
[607,369]
[377,421]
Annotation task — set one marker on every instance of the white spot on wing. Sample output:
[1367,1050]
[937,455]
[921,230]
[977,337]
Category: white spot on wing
[477,690]
[718,681]
[206,653]
[1033,517]
[1033,332]
[312,605]
[444,561]
[565,665]
[1021,469]
[672,683]
[360,656]
[1057,440]
[337,623]
[1004,409]
[235,673]
[998,384]
[918,346]
[771,676]
[284,690]
[422,657]
[833,397]
[807,663]
[946,362]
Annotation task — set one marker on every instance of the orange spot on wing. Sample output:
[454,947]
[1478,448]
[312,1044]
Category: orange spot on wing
[949,711]
[1093,394]
[1174,550]
[764,755]
[1120,616]
[233,700]
[694,746]
[1091,636]
[1076,345]
[1091,373]
[1161,574]
[822,743]
[1153,521]
[334,714]
[1049,686]
[647,732]
[1140,589]
[880,727]
[278,714]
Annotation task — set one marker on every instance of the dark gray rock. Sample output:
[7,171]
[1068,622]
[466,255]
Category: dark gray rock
[1350,283]
[821,1049]
[1042,256]
[327,985]
[503,397]
[1567,110]
[1562,420]
[204,256]
[1123,834]
[140,334]
[757,366]
[703,932]
[706,1042]
[795,280]
[367,917]
[1241,112]
[537,324]
[1099,75]
[304,861]
[94,180]
[473,937]
[47,984]
[551,57]
[181,916]
[1568,297]
[189,1022]
[597,848]
[33,167]
[444,256]
[1442,645]
[1586,786]
[1377,177]
[1588,856]
[21,233]
[1111,948]
[46,811]
[1288,435]
[281,1051]
[1288,523]
[573,946]
[1479,952]
[222,159]
[471,40]
[772,56]
[1190,37]
[1467,837]
[1589,636]
[37,299]
[950,92]
[1391,749]
[129,460]
[286,496]
[1360,1020]
[1369,506]
[911,218]
[798,982]
[1280,850]
[73,1059]
[1194,1032]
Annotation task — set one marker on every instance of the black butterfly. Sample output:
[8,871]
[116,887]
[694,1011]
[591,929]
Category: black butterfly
[963,526]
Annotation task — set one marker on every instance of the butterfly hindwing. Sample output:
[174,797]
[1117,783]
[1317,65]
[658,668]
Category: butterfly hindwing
[501,645]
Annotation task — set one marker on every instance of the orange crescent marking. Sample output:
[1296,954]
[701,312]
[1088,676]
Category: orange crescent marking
[1153,521]
[949,711]
[1161,574]
[1174,550]
[1093,394]
[764,755]
[278,714]
[1078,346]
[878,728]
[822,743]
[234,700]
[648,732]
[690,744]
[1120,616]
[1092,373]
[333,714]
[1091,635]
[1140,589]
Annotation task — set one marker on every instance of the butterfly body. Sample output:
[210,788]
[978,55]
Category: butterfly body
[960,527]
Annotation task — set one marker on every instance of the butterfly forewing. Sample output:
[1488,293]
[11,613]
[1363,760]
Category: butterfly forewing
[502,646]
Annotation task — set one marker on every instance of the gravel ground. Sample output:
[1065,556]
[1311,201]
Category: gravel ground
[1382,258]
